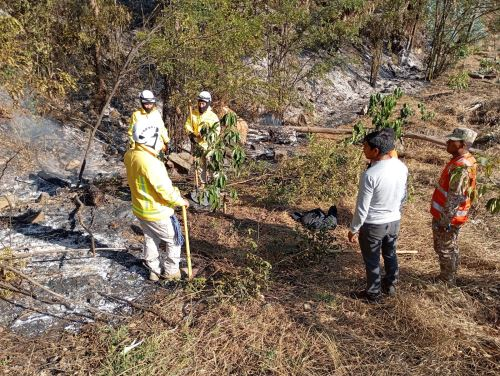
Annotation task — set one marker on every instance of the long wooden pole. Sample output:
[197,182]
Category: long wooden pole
[186,236]
[196,179]
[415,136]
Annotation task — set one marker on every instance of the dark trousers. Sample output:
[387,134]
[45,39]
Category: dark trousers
[372,238]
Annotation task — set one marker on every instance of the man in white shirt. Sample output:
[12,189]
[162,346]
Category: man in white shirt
[382,191]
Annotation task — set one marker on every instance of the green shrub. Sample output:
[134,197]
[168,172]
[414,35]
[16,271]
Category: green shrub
[425,114]
[459,81]
[327,172]
[247,283]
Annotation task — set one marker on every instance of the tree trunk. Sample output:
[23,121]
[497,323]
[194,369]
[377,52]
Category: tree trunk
[376,61]
[172,120]
[100,96]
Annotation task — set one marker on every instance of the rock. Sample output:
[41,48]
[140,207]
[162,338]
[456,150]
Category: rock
[181,164]
[187,157]
[242,127]
[302,121]
[43,198]
[186,146]
[170,165]
[72,165]
[283,136]
[255,135]
[31,216]
[7,200]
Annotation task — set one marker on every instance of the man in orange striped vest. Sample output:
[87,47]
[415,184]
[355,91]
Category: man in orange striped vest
[451,201]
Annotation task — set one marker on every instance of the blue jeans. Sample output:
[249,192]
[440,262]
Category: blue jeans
[373,238]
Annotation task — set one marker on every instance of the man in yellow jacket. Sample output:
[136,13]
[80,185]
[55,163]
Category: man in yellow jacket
[153,201]
[148,114]
[198,122]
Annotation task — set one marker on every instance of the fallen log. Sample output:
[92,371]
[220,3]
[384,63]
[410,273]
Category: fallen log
[415,136]
[355,251]
[438,94]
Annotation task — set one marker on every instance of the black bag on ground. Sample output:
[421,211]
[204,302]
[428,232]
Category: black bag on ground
[316,219]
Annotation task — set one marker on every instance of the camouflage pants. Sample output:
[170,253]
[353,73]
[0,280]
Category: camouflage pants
[446,247]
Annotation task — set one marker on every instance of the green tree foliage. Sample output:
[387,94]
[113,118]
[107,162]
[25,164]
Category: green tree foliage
[327,172]
[382,109]
[454,25]
[46,43]
[392,25]
[203,45]
[301,40]
[384,22]
[247,52]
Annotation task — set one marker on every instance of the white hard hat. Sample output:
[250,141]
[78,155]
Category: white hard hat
[146,133]
[205,96]
[147,96]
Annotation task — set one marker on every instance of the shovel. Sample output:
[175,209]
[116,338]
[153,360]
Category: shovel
[186,237]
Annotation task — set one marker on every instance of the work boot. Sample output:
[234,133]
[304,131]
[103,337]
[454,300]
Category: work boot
[153,277]
[445,278]
[369,298]
[388,288]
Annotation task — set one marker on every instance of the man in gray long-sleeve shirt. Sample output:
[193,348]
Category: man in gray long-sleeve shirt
[382,190]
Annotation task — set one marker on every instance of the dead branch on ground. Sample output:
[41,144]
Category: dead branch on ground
[138,306]
[124,70]
[7,164]
[56,251]
[87,228]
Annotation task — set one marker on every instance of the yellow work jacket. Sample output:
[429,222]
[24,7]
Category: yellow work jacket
[153,195]
[196,122]
[154,117]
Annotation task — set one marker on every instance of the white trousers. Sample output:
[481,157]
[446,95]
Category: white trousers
[154,233]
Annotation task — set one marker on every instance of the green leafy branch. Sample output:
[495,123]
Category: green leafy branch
[219,146]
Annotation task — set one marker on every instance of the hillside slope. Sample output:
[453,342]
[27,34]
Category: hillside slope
[286,310]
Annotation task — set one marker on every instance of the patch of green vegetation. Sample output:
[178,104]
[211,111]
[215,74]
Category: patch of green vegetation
[459,81]
[425,114]
[325,173]
[133,362]
[247,283]
[488,66]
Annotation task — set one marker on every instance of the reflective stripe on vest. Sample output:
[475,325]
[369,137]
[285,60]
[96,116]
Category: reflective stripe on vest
[445,194]
[440,194]
[436,206]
